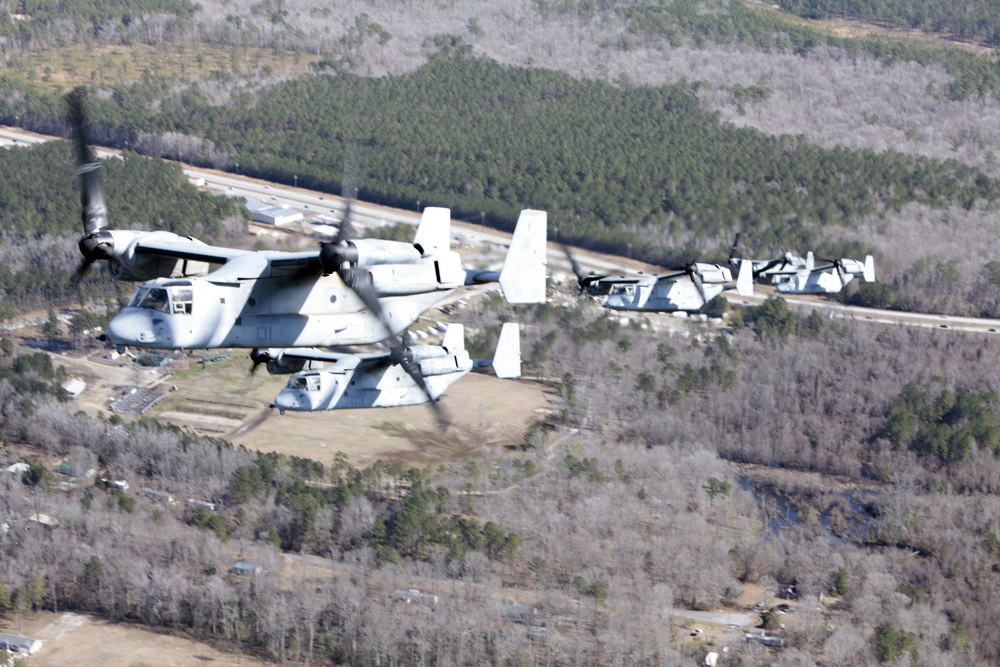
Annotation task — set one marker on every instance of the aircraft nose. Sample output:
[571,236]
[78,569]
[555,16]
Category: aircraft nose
[132,327]
[290,399]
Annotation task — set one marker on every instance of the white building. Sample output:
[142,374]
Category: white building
[269,214]
[74,387]
[19,644]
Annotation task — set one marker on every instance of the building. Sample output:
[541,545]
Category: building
[244,568]
[269,214]
[74,387]
[19,644]
[18,468]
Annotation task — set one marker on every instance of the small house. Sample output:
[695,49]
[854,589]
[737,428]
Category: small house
[244,568]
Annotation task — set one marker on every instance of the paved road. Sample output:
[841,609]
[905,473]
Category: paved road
[308,201]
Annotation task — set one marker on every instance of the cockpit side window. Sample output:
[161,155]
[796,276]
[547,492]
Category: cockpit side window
[181,299]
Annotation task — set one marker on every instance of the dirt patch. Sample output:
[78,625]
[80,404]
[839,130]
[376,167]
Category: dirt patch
[76,640]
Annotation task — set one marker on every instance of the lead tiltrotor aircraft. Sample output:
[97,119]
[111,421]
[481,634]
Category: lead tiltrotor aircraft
[347,292]
[406,375]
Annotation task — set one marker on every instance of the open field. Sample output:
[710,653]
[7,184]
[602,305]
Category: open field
[222,399]
[83,641]
[67,66]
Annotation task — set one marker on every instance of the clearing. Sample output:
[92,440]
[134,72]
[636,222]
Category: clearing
[76,640]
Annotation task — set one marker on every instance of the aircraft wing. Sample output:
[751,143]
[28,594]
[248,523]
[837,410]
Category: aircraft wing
[192,250]
[618,280]
[669,276]
[343,360]
[185,248]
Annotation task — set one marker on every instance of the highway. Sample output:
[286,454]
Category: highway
[312,202]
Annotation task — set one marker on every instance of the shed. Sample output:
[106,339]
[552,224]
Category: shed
[242,567]
[19,644]
[18,468]
[74,387]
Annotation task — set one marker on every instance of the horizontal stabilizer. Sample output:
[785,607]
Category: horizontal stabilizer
[523,275]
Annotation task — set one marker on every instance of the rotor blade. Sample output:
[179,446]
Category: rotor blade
[402,355]
[360,281]
[94,212]
[838,264]
[733,250]
[81,271]
[258,357]
[345,231]
[574,264]
[584,281]
[348,189]
[413,369]
[696,279]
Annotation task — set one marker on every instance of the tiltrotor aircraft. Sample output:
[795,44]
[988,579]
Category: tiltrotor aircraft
[347,292]
[794,275]
[687,288]
[406,375]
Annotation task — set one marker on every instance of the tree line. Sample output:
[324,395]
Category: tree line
[615,166]
[973,21]
[40,216]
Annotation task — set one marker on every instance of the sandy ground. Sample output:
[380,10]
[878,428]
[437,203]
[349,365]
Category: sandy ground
[75,640]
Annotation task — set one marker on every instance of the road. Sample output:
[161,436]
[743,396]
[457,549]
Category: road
[308,201]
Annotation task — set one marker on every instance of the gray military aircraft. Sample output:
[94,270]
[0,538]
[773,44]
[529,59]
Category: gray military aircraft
[347,292]
[794,275]
[406,375]
[688,288]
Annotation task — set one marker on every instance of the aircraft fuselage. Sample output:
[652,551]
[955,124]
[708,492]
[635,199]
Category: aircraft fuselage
[313,311]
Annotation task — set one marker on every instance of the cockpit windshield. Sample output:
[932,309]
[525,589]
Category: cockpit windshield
[624,290]
[304,382]
[163,299]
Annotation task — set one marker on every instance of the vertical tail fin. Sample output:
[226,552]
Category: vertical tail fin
[522,277]
[810,261]
[507,360]
[869,273]
[454,338]
[434,231]
[744,280]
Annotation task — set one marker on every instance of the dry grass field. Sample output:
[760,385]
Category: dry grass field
[222,399]
[75,640]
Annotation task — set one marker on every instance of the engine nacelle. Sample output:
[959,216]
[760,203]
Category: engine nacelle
[372,252]
[286,366]
[713,273]
[441,362]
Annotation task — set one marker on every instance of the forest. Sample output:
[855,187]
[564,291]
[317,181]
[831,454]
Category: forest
[614,167]
[662,441]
